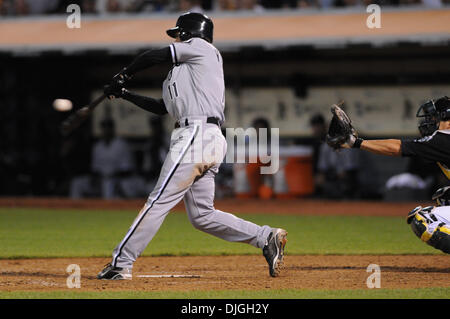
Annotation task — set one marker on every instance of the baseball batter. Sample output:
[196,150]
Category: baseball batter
[431,224]
[193,94]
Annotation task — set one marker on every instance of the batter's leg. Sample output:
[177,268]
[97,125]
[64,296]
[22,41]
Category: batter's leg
[199,202]
[175,179]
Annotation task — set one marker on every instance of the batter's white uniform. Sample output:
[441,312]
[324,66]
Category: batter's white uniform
[193,91]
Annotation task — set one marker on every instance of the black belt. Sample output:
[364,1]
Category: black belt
[211,120]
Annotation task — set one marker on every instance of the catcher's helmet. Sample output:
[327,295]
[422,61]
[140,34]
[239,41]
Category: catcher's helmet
[193,25]
[432,113]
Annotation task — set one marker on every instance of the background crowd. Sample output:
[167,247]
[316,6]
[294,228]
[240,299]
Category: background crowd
[35,160]
[99,7]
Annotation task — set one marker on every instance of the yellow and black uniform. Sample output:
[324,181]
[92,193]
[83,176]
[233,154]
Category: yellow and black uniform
[433,148]
[431,224]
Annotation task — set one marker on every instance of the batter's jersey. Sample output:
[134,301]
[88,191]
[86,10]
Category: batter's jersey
[433,148]
[195,85]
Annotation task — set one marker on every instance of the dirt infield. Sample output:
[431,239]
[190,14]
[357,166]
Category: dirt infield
[231,272]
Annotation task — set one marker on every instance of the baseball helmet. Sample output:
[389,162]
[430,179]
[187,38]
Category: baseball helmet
[193,25]
[431,113]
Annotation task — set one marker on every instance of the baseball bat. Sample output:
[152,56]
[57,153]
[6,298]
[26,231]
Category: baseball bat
[76,119]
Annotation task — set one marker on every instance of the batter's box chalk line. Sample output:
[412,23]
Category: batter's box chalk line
[169,276]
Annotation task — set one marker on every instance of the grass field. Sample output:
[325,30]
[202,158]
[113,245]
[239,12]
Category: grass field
[29,233]
[423,293]
[51,233]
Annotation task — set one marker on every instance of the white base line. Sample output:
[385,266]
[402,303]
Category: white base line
[169,276]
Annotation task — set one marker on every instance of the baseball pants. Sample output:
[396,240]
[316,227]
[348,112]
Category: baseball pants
[188,173]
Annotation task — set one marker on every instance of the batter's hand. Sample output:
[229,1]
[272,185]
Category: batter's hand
[115,87]
[113,91]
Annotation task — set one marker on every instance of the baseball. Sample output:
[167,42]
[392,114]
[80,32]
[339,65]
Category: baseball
[62,105]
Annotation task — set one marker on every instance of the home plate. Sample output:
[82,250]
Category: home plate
[169,276]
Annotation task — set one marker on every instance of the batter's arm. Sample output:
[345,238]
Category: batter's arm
[391,147]
[149,104]
[146,60]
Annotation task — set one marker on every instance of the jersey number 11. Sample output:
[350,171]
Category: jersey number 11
[175,91]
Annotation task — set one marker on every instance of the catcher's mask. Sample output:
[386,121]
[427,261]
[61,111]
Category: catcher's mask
[431,113]
[193,25]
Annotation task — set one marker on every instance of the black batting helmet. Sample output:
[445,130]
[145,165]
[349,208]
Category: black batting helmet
[432,112]
[193,25]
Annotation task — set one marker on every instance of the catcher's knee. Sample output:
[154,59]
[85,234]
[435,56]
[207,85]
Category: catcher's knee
[441,238]
[420,220]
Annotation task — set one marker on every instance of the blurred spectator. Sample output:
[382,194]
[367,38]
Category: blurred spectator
[148,5]
[225,5]
[42,6]
[190,5]
[20,7]
[337,173]
[111,163]
[247,177]
[28,7]
[432,3]
[34,7]
[263,184]
[88,6]
[155,151]
[224,179]
[113,6]
[75,154]
[418,182]
[319,132]
[325,4]
[278,4]
[347,3]
[250,5]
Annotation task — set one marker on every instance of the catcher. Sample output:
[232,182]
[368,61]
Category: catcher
[431,224]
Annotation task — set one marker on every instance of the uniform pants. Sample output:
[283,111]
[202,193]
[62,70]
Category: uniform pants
[442,214]
[188,172]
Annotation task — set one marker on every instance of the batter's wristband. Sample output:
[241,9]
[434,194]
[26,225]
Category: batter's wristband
[357,143]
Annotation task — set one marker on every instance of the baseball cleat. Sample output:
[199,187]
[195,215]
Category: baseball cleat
[115,273]
[274,250]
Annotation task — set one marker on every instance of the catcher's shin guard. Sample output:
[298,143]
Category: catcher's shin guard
[420,221]
[441,238]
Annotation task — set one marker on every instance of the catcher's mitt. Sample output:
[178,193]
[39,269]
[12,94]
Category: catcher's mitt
[340,132]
